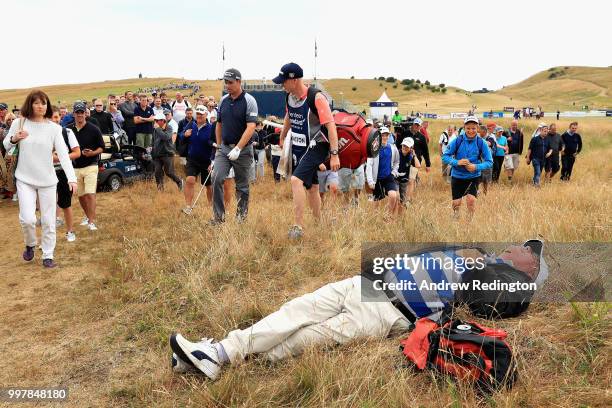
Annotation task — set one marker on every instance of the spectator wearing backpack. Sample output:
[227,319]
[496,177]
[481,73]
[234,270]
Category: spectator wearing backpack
[467,155]
[381,172]
[313,139]
[179,107]
[539,150]
[445,138]
[515,149]
[64,194]
[37,137]
[571,147]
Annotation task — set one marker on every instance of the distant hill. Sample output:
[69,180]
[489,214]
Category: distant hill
[564,88]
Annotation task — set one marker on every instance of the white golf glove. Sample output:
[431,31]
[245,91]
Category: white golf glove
[233,155]
[371,186]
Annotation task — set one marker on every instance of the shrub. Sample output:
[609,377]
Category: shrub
[381,78]
[352,76]
[427,83]
[418,81]
[354,88]
[390,79]
[442,86]
[380,84]
[395,86]
[416,86]
[407,81]
[443,90]
[407,88]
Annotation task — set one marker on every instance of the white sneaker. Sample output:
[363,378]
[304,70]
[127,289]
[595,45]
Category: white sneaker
[70,236]
[203,355]
[92,227]
[84,221]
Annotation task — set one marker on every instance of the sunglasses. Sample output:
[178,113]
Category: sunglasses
[98,106]
[112,103]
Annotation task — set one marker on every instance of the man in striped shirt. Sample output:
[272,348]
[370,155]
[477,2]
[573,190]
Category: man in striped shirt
[358,307]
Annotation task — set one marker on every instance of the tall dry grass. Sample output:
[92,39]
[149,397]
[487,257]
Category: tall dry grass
[155,271]
[176,273]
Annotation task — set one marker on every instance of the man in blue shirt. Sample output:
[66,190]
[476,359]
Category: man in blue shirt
[467,155]
[235,125]
[539,151]
[144,118]
[196,136]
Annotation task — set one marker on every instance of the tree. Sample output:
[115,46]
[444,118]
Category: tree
[381,78]
[427,83]
[418,81]
[442,86]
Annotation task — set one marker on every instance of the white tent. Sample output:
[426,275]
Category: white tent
[383,106]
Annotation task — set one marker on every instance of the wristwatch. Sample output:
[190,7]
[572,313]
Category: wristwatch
[333,152]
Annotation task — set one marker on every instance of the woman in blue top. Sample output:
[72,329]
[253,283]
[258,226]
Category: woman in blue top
[467,155]
[500,153]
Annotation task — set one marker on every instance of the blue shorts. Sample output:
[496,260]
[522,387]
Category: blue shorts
[308,165]
[383,186]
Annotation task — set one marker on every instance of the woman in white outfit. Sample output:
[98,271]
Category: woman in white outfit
[37,137]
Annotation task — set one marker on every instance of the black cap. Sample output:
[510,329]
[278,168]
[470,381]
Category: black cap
[289,71]
[79,107]
[232,74]
[3,106]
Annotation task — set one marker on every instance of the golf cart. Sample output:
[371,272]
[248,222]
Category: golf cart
[119,165]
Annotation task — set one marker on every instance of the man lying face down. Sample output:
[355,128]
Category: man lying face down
[358,307]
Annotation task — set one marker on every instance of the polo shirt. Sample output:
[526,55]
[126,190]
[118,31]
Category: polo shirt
[234,114]
[144,113]
[89,137]
[539,147]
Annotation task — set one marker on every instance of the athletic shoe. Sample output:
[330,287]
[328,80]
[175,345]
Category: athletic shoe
[181,185]
[92,227]
[15,198]
[181,367]
[296,232]
[84,221]
[48,263]
[28,254]
[187,210]
[59,222]
[70,236]
[203,355]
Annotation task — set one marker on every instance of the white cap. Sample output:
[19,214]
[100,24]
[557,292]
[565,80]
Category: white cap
[408,141]
[201,109]
[384,129]
[159,116]
[542,125]
[473,119]
[418,121]
[369,121]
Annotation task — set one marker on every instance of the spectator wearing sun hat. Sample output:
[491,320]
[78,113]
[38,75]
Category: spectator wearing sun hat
[407,171]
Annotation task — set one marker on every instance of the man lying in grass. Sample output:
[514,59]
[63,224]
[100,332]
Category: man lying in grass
[358,307]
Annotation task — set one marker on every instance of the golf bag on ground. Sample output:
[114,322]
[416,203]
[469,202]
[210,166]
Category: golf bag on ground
[467,351]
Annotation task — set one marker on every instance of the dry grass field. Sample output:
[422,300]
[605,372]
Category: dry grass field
[99,324]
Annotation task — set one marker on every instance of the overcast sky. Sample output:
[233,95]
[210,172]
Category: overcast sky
[470,44]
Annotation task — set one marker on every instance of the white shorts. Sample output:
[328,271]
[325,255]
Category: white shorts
[511,161]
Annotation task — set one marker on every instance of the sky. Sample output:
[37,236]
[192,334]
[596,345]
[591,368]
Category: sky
[469,44]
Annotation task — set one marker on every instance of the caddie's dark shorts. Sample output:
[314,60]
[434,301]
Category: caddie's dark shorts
[193,168]
[463,187]
[64,195]
[552,163]
[308,165]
